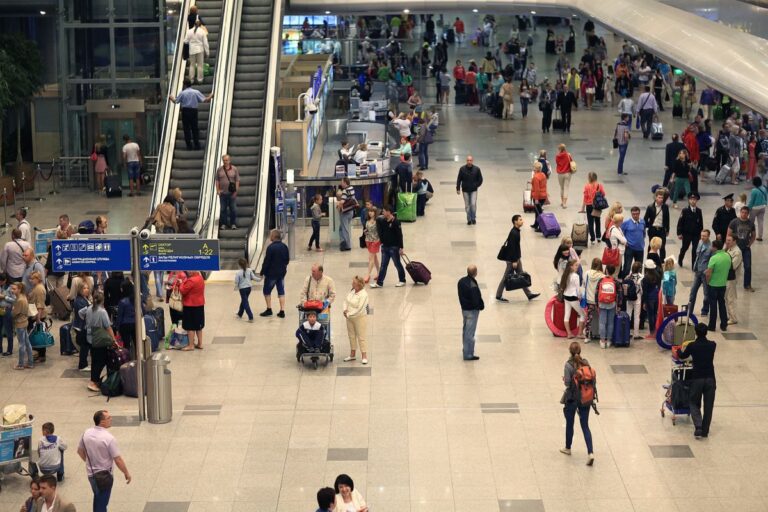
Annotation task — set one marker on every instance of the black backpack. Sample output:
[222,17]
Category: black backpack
[722,141]
[631,287]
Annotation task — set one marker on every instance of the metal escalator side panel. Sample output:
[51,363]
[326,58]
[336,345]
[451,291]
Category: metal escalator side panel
[257,233]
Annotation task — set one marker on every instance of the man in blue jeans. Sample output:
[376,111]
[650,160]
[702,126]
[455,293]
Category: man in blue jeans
[634,231]
[98,449]
[471,301]
[700,264]
[132,159]
[227,186]
[622,136]
[742,229]
[391,236]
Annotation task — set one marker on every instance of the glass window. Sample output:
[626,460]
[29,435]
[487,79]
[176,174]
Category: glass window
[89,52]
[150,93]
[93,10]
[136,10]
[137,52]
[47,115]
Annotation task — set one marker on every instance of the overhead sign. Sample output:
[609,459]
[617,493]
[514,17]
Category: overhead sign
[42,238]
[179,254]
[91,255]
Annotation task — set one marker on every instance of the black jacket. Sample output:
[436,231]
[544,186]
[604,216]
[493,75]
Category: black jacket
[276,261]
[703,353]
[722,220]
[681,168]
[510,251]
[469,294]
[690,223]
[650,215]
[673,149]
[469,179]
[404,173]
[390,233]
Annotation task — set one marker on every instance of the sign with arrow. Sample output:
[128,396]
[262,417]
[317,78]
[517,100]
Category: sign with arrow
[179,254]
[91,255]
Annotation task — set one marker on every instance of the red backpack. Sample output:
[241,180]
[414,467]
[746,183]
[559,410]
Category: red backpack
[606,291]
[585,379]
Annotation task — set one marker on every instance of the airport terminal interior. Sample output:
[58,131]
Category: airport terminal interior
[417,428]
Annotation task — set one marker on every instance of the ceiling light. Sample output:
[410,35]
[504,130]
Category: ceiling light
[533,12]
[474,10]
[406,11]
[42,13]
[327,12]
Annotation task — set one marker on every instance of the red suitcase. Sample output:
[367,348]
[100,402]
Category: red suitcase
[418,271]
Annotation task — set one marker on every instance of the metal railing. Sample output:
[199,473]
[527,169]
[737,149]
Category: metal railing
[258,231]
[171,115]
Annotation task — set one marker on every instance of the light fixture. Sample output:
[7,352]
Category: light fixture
[533,12]
[327,12]
[474,10]
[406,11]
[42,13]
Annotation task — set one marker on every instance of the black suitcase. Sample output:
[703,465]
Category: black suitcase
[450,36]
[677,111]
[113,186]
[570,45]
[65,340]
[159,315]
[558,123]
[461,94]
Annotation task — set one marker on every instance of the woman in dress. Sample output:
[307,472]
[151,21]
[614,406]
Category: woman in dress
[101,164]
[372,243]
[193,316]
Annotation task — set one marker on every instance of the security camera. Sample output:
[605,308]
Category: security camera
[144,235]
[134,231]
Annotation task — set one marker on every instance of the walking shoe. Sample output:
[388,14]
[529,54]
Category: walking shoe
[471,358]
[266,312]
[375,285]
[364,361]
[400,284]
[281,314]
[93,387]
[697,433]
[566,451]
[349,358]
[86,369]
[591,459]
[502,299]
[533,296]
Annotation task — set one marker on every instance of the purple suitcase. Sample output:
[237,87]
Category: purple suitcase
[418,271]
[549,225]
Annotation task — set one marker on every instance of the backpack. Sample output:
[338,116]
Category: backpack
[599,202]
[111,386]
[631,287]
[87,227]
[723,141]
[606,291]
[585,380]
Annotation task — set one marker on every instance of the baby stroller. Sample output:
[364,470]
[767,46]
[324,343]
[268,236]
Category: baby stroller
[16,437]
[314,342]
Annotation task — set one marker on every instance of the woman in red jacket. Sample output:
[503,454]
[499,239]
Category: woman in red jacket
[538,192]
[193,317]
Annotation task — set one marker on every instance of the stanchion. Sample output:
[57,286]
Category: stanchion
[53,192]
[23,191]
[5,224]
[38,175]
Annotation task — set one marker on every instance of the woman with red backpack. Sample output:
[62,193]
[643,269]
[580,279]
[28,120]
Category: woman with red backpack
[579,395]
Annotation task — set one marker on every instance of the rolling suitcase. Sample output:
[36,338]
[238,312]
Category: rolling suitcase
[418,271]
[129,379]
[406,206]
[152,331]
[594,325]
[723,175]
[113,186]
[159,315]
[579,234]
[66,347]
[677,111]
[60,306]
[450,36]
[557,122]
[657,131]
[549,225]
[621,330]
[528,205]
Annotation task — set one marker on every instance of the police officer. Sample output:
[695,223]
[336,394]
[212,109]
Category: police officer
[704,385]
[723,217]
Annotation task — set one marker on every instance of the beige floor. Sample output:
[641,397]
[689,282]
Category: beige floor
[420,429]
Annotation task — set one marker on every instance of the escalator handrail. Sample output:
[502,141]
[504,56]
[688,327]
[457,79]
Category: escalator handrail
[257,232]
[170,114]
[218,118]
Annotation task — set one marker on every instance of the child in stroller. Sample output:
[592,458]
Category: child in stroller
[313,339]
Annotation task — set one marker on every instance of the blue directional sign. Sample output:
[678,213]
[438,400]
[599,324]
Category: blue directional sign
[91,255]
[179,254]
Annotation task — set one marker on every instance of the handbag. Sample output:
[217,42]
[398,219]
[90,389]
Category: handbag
[100,338]
[40,338]
[615,143]
[174,302]
[362,241]
[517,280]
[611,256]
[103,478]
[574,167]
[94,156]
[185,51]
[232,186]
[502,256]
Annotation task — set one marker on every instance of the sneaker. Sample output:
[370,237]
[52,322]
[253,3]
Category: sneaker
[375,285]
[697,434]
[400,284]
[566,451]
[349,358]
[266,312]
[603,344]
[364,361]
[590,459]
[86,369]
[281,314]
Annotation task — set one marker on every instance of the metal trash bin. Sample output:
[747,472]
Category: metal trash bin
[159,398]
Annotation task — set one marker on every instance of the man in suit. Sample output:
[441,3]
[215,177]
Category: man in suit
[511,253]
[657,219]
[50,500]
[689,227]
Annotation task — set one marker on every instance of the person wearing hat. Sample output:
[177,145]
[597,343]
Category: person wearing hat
[689,227]
[657,219]
[723,217]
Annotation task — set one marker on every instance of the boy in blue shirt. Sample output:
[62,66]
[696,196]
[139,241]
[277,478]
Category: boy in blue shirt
[326,499]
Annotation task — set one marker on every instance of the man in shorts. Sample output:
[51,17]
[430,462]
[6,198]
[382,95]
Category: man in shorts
[132,159]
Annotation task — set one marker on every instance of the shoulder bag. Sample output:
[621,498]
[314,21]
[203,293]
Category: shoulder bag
[174,301]
[103,478]
[573,165]
[232,186]
[100,338]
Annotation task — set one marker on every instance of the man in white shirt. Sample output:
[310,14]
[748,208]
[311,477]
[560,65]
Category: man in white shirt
[49,500]
[24,225]
[646,109]
[132,160]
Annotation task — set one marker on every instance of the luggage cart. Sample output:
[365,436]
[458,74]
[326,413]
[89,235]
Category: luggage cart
[680,379]
[15,443]
[324,318]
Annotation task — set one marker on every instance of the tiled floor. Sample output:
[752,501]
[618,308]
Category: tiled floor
[419,429]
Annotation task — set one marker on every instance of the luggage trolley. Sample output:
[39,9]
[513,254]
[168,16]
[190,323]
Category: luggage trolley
[313,354]
[15,441]
[678,388]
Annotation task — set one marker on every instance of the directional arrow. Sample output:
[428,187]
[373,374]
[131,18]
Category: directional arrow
[146,260]
[146,248]
[58,261]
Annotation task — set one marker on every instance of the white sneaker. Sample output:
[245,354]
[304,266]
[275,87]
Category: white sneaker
[591,459]
[566,451]
[86,369]
[364,361]
[349,358]
[374,285]
[602,344]
[400,284]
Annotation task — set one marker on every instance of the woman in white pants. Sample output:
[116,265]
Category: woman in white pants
[355,311]
[197,39]
[570,284]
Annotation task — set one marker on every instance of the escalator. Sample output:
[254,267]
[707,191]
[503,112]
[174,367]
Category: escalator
[246,126]
[187,165]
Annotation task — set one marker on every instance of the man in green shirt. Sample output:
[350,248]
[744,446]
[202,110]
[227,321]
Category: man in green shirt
[717,278]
